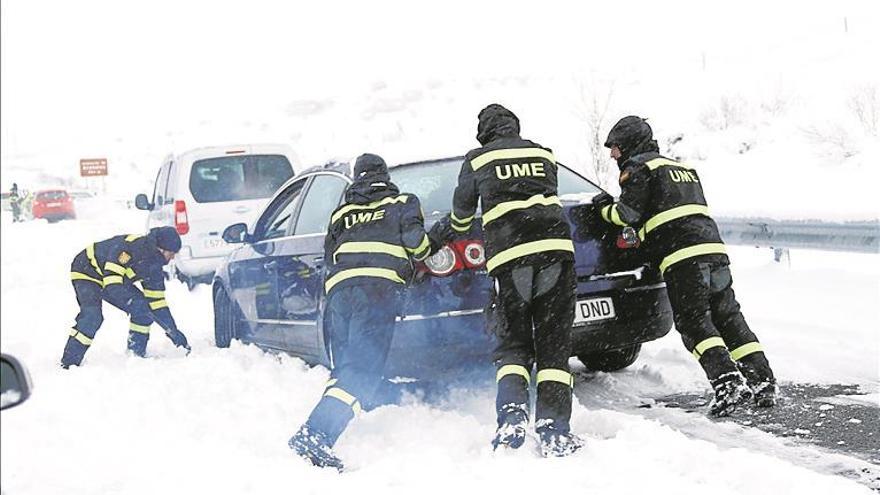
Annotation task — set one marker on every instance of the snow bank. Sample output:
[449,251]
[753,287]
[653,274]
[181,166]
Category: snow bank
[218,420]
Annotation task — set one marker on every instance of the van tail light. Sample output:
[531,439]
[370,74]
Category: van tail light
[459,255]
[181,222]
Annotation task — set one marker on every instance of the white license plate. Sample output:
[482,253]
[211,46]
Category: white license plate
[53,205]
[213,243]
[587,310]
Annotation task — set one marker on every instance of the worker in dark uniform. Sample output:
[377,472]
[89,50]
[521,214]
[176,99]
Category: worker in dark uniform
[107,271]
[663,200]
[15,201]
[370,244]
[530,255]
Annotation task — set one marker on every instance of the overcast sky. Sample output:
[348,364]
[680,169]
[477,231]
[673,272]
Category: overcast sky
[80,74]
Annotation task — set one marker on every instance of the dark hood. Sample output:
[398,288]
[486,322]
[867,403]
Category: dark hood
[496,122]
[371,181]
[633,136]
[645,147]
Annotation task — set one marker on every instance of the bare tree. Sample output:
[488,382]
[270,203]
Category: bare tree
[865,104]
[593,110]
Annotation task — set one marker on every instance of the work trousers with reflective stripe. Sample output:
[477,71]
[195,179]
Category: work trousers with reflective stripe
[705,310]
[358,327]
[535,313]
[89,296]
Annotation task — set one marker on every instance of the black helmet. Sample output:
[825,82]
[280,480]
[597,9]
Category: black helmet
[369,164]
[166,238]
[629,133]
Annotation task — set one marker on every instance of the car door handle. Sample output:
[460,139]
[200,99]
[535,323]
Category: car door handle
[271,265]
[241,209]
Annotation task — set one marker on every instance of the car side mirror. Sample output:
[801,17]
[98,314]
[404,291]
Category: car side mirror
[236,233]
[142,203]
[15,383]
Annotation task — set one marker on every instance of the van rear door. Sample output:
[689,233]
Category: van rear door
[227,190]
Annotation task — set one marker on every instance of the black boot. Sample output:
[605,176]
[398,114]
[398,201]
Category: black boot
[556,442]
[730,391]
[313,446]
[756,369]
[512,423]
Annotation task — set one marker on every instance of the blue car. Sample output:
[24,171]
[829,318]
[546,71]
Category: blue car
[269,291]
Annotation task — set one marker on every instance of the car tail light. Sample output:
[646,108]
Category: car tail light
[443,262]
[459,255]
[628,238]
[472,253]
[181,222]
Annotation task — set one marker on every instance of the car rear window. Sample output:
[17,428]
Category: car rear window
[51,195]
[434,183]
[234,178]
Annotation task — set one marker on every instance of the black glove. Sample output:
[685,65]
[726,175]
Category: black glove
[441,232]
[178,338]
[602,200]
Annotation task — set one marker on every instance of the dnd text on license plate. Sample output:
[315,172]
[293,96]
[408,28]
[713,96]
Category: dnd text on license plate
[587,310]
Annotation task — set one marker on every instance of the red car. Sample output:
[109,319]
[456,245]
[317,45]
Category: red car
[53,205]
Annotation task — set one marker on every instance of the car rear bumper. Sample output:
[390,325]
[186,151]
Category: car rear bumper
[439,346]
[643,314]
[54,214]
[196,267]
[454,343]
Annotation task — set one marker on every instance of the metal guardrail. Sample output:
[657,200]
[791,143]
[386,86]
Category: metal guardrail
[863,237]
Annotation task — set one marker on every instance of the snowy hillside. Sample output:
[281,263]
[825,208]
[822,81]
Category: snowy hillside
[761,100]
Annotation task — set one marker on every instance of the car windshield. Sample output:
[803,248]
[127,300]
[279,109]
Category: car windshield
[233,178]
[51,195]
[434,183]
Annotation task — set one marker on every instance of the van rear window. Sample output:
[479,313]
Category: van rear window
[234,178]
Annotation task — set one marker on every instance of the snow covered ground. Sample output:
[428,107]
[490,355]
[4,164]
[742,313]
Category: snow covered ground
[218,420]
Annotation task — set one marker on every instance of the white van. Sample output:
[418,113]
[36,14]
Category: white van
[202,191]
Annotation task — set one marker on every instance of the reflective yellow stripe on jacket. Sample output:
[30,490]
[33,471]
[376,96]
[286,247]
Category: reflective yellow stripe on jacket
[370,247]
[113,267]
[611,215]
[507,154]
[529,248]
[508,206]
[665,162]
[461,224]
[670,215]
[83,276]
[690,252]
[362,272]
[90,253]
[422,250]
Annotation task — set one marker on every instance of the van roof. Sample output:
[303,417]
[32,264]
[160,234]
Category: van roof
[238,149]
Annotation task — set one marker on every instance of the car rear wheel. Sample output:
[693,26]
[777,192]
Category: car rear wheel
[613,360]
[226,319]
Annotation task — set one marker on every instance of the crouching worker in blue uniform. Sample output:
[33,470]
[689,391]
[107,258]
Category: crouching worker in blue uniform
[107,271]
[370,243]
